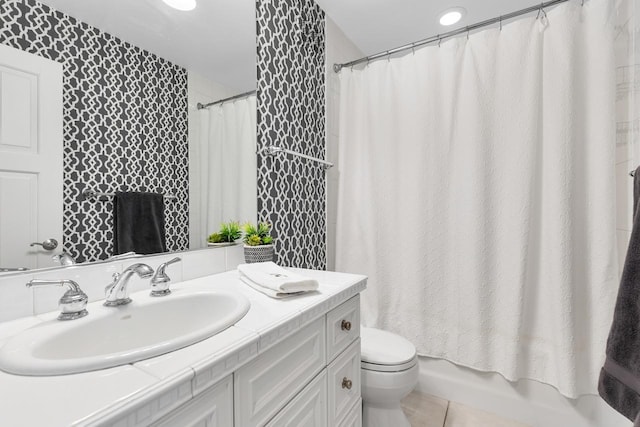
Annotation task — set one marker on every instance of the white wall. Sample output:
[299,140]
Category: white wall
[627,122]
[339,49]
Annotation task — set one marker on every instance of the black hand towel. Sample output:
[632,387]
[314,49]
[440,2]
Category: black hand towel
[619,383]
[138,219]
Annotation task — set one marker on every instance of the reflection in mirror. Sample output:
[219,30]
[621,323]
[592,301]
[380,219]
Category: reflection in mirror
[30,159]
[226,149]
[132,76]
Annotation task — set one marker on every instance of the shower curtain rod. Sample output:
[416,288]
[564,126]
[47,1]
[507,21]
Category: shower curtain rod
[440,37]
[231,98]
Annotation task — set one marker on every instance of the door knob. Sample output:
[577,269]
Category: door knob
[47,245]
[345,325]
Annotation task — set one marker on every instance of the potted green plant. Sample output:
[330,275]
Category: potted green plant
[258,243]
[227,235]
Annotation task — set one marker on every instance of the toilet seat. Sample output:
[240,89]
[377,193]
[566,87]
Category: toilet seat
[383,351]
[388,368]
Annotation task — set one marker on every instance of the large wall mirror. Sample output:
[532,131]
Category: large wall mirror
[118,84]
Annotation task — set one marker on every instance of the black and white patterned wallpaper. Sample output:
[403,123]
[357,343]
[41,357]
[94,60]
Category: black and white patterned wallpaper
[125,123]
[291,114]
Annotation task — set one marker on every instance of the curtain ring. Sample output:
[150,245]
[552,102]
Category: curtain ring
[500,23]
[542,11]
[467,33]
[388,56]
[544,14]
[439,40]
[413,48]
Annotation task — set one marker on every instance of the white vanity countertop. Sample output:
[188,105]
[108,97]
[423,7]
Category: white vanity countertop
[88,398]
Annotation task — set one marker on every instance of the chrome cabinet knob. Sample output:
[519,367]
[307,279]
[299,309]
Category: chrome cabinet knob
[346,383]
[345,325]
[47,245]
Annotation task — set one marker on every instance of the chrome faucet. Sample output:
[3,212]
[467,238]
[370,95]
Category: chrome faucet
[73,303]
[160,280]
[117,293]
[64,259]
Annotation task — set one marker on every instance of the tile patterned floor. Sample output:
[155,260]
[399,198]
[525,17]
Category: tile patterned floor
[429,411]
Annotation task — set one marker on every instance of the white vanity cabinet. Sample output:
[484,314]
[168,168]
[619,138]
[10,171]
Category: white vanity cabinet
[213,408]
[344,383]
[267,383]
[311,379]
[293,362]
[307,409]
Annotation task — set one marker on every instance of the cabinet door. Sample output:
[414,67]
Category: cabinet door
[354,417]
[213,408]
[266,384]
[343,327]
[343,376]
[308,409]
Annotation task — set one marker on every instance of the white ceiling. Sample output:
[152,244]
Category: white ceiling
[378,25]
[217,39]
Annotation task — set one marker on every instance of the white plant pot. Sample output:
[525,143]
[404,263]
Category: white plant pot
[262,253]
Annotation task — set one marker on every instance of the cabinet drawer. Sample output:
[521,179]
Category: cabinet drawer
[213,407]
[343,382]
[266,384]
[354,417]
[308,409]
[343,326]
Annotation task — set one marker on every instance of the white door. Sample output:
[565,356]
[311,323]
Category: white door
[30,158]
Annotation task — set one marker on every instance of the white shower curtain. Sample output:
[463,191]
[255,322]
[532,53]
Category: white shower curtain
[228,164]
[477,193]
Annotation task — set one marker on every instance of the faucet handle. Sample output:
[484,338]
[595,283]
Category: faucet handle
[160,280]
[73,302]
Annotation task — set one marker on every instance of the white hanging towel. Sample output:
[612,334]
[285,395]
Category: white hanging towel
[275,281]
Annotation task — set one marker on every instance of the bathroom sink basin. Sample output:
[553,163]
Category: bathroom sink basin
[112,336]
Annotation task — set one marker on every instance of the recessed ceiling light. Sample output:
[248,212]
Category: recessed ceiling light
[451,16]
[181,4]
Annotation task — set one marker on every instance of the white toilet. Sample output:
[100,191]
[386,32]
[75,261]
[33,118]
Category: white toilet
[389,367]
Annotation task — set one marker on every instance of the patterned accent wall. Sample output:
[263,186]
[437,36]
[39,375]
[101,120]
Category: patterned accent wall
[125,123]
[291,114]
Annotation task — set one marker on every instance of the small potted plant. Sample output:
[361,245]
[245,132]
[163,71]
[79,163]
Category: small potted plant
[258,243]
[228,234]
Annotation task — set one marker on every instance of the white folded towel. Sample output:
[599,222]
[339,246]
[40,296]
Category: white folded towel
[268,292]
[275,281]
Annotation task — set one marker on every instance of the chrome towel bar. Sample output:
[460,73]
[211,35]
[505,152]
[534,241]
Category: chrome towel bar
[273,150]
[92,194]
